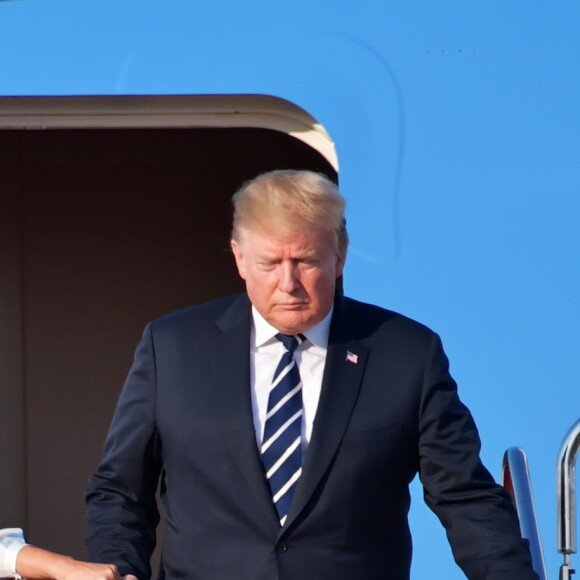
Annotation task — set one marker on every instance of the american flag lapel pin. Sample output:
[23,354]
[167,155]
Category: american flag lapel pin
[351,357]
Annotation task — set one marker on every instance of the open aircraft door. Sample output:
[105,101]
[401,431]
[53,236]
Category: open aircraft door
[113,210]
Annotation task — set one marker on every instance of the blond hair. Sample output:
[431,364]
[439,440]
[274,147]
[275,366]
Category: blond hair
[288,201]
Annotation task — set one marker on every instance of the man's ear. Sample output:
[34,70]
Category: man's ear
[340,260]
[239,257]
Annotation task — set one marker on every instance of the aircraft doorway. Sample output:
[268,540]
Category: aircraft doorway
[103,230]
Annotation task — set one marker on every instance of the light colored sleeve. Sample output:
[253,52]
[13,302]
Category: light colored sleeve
[11,542]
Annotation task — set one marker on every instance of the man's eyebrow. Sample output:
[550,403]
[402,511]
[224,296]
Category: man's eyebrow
[305,254]
[268,256]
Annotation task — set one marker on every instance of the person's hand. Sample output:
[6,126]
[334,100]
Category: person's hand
[129,577]
[77,570]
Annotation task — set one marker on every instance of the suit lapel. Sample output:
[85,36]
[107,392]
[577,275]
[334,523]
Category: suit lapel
[231,378]
[343,373]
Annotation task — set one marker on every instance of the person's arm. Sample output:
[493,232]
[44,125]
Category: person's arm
[480,520]
[121,505]
[36,564]
[19,558]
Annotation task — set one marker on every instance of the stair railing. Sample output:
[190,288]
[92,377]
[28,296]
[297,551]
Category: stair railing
[516,480]
[566,486]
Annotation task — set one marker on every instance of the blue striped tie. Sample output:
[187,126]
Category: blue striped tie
[280,450]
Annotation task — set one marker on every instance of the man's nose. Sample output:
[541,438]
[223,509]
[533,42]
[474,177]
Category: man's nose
[288,280]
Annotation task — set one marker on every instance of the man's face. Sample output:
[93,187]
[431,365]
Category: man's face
[290,279]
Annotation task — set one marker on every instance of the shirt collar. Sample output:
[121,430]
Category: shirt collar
[264,332]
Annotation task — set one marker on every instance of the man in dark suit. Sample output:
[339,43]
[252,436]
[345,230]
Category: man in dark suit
[285,424]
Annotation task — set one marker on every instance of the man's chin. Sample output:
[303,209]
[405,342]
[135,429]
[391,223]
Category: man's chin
[291,324]
[296,307]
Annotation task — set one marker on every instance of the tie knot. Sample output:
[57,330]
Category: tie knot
[290,341]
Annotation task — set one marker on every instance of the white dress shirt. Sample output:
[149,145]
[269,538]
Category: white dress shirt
[265,354]
[11,542]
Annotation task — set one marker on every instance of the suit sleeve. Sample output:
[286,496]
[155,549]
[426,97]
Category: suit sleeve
[121,505]
[478,515]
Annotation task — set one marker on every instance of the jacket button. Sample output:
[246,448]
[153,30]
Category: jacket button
[283,547]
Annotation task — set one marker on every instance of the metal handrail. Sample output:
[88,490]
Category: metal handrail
[516,480]
[566,485]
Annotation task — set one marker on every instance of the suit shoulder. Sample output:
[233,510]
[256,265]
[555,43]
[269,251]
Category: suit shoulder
[196,315]
[373,319]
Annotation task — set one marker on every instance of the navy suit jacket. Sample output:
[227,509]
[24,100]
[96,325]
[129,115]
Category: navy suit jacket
[184,419]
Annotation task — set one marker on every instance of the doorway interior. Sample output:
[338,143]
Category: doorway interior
[101,230]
